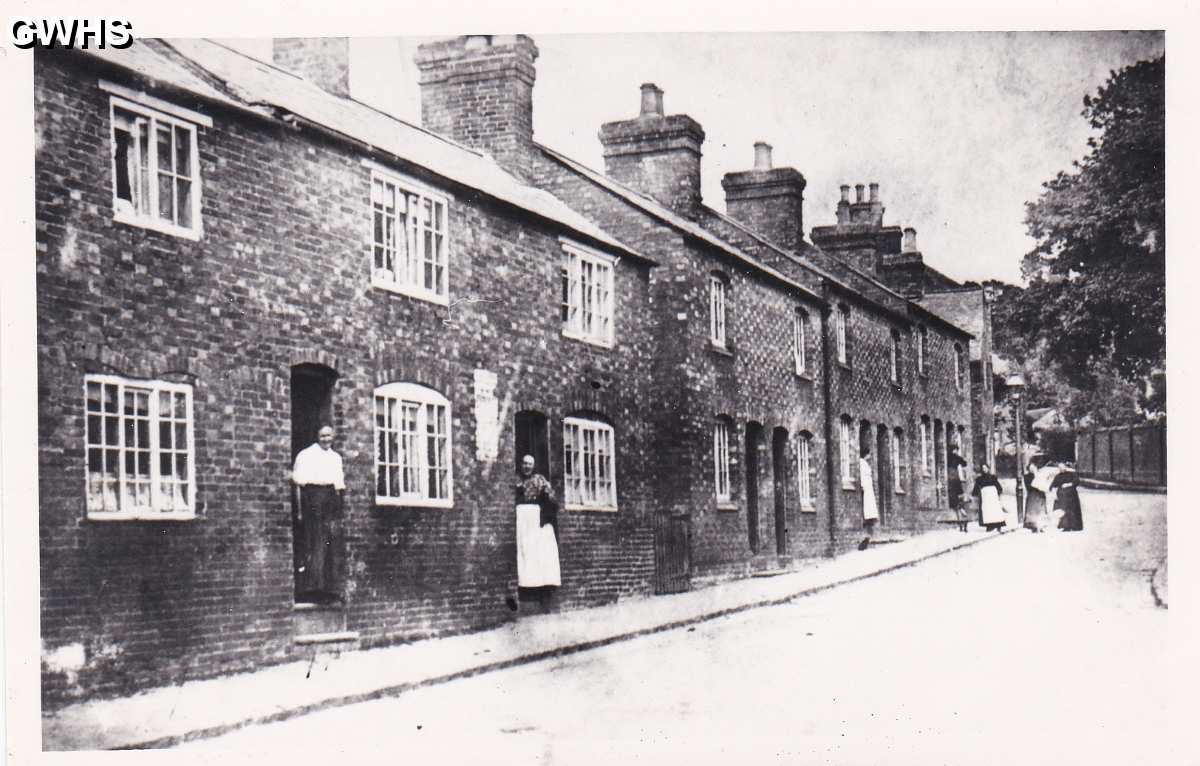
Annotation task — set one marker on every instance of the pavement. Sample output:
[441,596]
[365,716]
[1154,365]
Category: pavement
[210,707]
[169,716]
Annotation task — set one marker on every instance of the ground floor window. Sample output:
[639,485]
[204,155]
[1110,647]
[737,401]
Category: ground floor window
[412,446]
[588,454]
[721,460]
[140,452]
[806,471]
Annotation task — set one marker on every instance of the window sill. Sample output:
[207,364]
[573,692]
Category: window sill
[804,376]
[849,485]
[845,367]
[591,341]
[153,224]
[390,503]
[727,505]
[808,508]
[108,517]
[598,508]
[410,292]
[722,350]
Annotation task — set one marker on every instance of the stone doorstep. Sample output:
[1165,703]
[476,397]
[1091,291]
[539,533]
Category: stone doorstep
[343,637]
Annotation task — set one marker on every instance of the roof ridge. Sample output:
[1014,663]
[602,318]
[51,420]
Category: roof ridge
[351,99]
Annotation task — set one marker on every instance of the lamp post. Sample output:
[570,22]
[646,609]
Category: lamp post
[1016,385]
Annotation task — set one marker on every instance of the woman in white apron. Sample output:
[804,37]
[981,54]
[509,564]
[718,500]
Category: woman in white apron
[987,489]
[870,508]
[537,545]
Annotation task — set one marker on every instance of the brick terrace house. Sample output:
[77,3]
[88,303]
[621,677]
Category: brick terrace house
[232,252]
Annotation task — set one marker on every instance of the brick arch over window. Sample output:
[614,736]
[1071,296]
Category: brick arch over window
[391,369]
[140,363]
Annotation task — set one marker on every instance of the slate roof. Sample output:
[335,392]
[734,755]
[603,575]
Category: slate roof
[668,216]
[963,308]
[264,87]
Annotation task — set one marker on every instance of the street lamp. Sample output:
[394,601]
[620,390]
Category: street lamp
[1016,385]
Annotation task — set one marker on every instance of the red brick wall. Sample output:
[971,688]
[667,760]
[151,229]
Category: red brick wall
[281,276]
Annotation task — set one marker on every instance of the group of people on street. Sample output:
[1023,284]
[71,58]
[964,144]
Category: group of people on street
[1051,498]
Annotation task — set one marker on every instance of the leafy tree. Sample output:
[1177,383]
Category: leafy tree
[1094,312]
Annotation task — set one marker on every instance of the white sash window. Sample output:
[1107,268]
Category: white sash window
[409,238]
[140,451]
[412,447]
[588,463]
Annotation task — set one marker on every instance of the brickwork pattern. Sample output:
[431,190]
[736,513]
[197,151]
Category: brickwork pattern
[281,277]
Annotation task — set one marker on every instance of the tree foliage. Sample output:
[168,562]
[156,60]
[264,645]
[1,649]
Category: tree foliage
[1092,321]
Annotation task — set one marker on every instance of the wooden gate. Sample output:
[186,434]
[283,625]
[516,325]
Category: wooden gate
[672,554]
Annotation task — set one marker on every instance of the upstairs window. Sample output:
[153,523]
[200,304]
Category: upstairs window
[922,348]
[140,453]
[841,318]
[800,341]
[588,463]
[155,170]
[718,298]
[958,366]
[806,471]
[412,446]
[721,431]
[409,238]
[586,308]
[894,358]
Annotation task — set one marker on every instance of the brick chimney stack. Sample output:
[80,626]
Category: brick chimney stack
[859,236]
[769,200]
[323,61]
[656,154]
[478,90]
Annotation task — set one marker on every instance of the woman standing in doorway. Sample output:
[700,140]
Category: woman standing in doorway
[870,507]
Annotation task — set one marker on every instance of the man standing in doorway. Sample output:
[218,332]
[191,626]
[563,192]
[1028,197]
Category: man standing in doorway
[320,485]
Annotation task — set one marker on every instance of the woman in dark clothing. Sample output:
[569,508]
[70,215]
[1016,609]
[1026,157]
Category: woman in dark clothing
[956,475]
[1067,498]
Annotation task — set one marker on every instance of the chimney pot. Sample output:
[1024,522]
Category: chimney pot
[762,155]
[858,192]
[910,239]
[476,42]
[845,192]
[875,192]
[652,100]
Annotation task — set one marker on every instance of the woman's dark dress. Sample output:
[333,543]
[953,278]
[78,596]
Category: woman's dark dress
[954,485]
[1067,501]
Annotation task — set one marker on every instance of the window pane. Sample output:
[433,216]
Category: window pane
[183,188]
[183,152]
[166,197]
[163,134]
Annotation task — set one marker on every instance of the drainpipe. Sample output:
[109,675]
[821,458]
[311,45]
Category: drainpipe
[828,372]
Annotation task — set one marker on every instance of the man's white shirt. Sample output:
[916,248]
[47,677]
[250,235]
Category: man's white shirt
[315,465]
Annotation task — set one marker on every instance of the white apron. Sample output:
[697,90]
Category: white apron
[870,507]
[989,506]
[537,550]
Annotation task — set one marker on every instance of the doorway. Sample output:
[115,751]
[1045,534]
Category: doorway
[754,437]
[312,407]
[779,439]
[531,437]
[883,469]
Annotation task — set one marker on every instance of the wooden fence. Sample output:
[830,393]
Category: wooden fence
[1136,454]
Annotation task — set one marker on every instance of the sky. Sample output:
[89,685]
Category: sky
[960,129]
